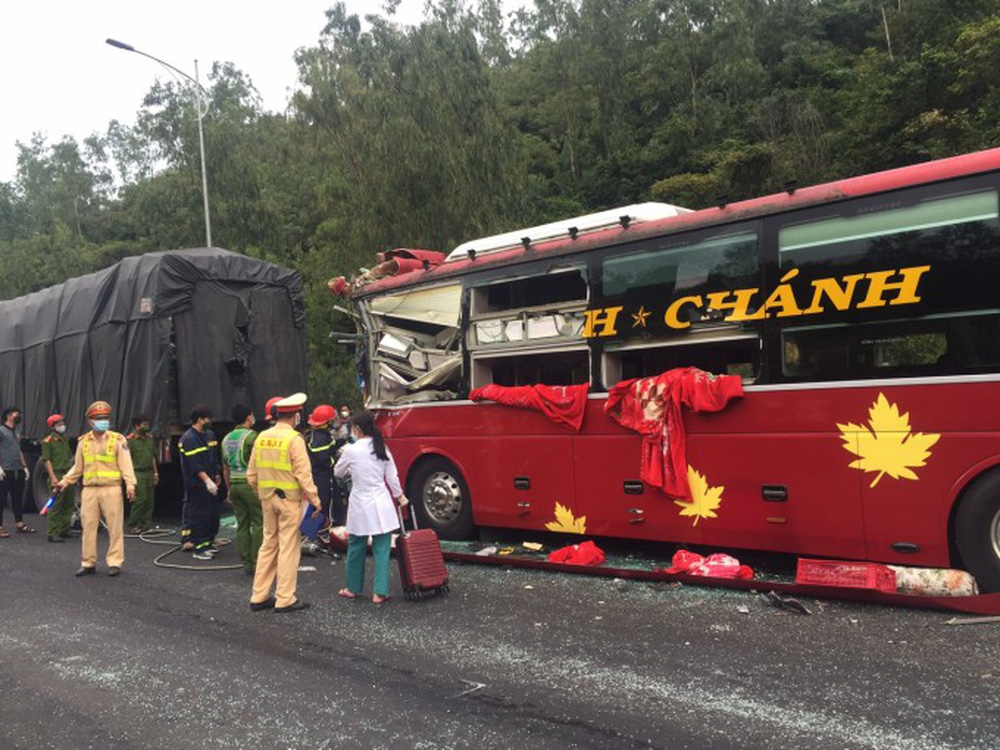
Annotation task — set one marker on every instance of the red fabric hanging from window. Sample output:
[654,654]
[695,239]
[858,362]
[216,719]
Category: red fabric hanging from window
[652,407]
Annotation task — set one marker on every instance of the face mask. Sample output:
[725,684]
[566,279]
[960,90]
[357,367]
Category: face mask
[345,415]
[298,419]
[60,428]
[101,425]
[143,429]
[17,419]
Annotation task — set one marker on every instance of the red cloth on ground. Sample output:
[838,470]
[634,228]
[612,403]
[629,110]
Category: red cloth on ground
[652,407]
[563,404]
[585,553]
[716,565]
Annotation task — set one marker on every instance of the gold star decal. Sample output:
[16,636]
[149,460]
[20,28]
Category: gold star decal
[640,317]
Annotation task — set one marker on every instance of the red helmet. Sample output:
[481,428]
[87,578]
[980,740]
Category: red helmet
[321,415]
[54,420]
[271,402]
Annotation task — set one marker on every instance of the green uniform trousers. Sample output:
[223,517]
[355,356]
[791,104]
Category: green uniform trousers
[141,515]
[357,548]
[60,515]
[249,522]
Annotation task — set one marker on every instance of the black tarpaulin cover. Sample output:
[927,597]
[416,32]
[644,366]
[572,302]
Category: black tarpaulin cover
[156,333]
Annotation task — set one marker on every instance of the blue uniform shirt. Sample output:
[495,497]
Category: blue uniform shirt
[199,452]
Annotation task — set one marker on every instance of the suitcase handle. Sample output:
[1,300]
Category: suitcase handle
[402,523]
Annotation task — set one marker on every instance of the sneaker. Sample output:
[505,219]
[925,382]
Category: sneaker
[203,555]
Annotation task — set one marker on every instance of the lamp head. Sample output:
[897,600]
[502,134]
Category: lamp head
[119,45]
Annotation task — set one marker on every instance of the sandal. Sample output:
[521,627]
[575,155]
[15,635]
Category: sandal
[379,599]
[347,594]
[4,534]
[24,529]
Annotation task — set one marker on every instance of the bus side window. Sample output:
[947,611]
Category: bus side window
[933,345]
[560,367]
[734,356]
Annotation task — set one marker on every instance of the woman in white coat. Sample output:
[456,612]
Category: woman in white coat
[371,510]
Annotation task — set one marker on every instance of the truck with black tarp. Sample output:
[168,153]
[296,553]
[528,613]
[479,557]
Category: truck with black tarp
[156,334]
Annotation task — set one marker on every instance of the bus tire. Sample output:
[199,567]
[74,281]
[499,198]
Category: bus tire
[977,531]
[441,499]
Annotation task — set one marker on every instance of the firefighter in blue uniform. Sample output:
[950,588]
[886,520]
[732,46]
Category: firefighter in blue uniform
[202,475]
[322,449]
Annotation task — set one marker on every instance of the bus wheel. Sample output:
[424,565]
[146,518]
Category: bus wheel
[977,531]
[442,499]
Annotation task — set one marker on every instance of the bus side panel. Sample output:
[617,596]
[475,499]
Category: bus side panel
[821,512]
[517,464]
[914,512]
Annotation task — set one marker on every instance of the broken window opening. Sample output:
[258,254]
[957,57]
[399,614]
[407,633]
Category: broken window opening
[415,345]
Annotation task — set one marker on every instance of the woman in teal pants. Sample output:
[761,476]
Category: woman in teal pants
[371,510]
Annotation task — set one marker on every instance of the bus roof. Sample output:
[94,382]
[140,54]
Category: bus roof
[619,233]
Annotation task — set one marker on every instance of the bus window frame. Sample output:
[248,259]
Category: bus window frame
[707,329]
[773,354]
[481,356]
[695,338]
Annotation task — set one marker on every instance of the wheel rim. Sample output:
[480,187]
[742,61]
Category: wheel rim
[995,533]
[442,497]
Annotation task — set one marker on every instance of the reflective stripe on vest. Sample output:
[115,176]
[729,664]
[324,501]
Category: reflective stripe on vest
[272,457]
[93,462]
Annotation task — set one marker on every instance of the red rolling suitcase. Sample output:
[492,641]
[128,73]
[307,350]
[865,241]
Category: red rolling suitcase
[421,563]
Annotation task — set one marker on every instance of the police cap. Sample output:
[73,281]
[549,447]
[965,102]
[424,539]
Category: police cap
[99,409]
[291,404]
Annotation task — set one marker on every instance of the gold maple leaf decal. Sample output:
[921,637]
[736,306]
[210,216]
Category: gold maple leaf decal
[888,447]
[704,500]
[566,523]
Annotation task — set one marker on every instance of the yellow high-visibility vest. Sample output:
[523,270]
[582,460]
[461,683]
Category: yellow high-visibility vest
[274,466]
[100,464]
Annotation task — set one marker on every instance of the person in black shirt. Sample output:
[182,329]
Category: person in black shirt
[202,475]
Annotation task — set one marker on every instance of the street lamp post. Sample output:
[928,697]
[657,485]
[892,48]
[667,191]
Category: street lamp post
[202,110]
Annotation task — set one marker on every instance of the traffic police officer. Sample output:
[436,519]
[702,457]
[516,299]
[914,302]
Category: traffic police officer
[236,449]
[202,474]
[142,446]
[280,473]
[57,458]
[103,460]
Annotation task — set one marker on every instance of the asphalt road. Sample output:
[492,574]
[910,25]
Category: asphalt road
[513,659]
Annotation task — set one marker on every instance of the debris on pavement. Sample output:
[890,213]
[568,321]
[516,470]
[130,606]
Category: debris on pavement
[973,620]
[787,603]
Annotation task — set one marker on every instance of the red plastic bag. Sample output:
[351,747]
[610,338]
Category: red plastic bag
[585,553]
[716,565]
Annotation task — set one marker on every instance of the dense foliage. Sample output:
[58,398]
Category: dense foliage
[473,123]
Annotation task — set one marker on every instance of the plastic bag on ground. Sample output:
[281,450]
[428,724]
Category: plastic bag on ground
[717,565]
[585,553]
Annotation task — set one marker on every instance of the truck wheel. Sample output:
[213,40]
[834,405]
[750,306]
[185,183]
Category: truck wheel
[977,531]
[441,499]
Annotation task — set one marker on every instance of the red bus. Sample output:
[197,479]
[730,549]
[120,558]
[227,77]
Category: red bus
[863,317]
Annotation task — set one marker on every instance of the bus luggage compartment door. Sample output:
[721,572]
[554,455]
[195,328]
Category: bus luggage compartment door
[737,484]
[523,480]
